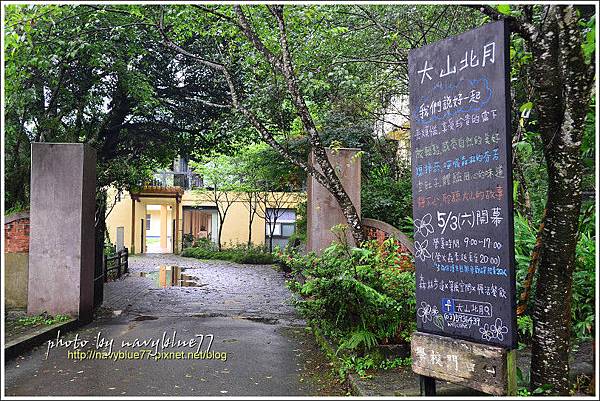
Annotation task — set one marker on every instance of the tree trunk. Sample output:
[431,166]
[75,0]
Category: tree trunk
[552,307]
[250,233]
[562,85]
[523,199]
[533,263]
[272,226]
[219,234]
[334,184]
[284,64]
[251,214]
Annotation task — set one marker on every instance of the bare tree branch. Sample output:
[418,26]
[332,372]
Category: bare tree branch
[333,183]
[327,176]
[252,118]
[215,13]
[254,39]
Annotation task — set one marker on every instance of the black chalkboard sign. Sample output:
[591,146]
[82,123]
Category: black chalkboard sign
[462,187]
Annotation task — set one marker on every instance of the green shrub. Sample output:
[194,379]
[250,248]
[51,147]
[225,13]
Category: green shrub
[584,276]
[525,237]
[359,297]
[238,253]
[204,243]
[525,330]
[109,249]
[361,364]
[16,208]
[583,309]
[187,240]
[386,197]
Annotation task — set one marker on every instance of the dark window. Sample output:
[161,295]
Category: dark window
[284,226]
[148,219]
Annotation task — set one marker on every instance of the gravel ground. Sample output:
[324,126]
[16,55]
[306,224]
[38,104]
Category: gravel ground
[245,309]
[225,289]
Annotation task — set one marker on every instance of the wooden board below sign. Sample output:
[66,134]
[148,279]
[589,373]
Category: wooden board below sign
[485,368]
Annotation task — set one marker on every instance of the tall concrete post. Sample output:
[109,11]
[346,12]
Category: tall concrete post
[163,227]
[61,245]
[323,211]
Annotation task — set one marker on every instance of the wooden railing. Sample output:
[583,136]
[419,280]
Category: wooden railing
[118,261]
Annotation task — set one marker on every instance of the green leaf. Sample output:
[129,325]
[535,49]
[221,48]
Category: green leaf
[438,320]
[526,106]
[503,9]
[524,148]
[589,45]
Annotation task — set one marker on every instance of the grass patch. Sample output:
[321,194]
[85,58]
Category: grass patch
[43,319]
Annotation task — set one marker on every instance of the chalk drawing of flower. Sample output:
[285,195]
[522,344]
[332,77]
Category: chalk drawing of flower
[499,329]
[423,225]
[486,333]
[494,331]
[425,312]
[421,251]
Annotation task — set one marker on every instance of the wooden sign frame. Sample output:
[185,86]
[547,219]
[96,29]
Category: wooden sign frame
[486,368]
[463,337]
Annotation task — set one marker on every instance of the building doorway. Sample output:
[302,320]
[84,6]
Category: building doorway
[158,229]
[200,222]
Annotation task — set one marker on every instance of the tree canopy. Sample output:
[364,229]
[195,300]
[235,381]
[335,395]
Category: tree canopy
[83,74]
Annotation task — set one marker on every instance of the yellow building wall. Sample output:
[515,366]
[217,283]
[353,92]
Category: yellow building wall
[140,221]
[235,226]
[119,216]
[155,226]
[234,230]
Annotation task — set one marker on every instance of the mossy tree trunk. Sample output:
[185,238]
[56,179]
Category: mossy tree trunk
[561,84]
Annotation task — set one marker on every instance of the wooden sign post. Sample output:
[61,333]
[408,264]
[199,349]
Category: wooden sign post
[462,209]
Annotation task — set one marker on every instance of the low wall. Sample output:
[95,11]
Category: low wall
[16,260]
[380,230]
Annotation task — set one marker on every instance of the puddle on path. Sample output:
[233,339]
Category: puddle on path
[259,319]
[144,317]
[172,276]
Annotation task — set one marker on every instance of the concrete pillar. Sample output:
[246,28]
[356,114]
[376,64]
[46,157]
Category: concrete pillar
[169,223]
[61,248]
[323,211]
[214,227]
[163,226]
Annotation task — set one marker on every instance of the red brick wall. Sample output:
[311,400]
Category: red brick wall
[16,234]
